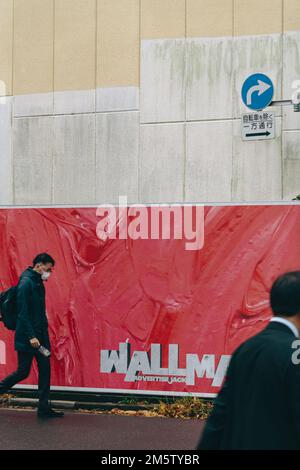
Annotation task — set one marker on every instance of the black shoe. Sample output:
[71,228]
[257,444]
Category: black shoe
[50,414]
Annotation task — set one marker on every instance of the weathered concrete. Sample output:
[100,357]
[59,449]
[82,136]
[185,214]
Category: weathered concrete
[291,72]
[108,144]
[209,78]
[117,99]
[74,179]
[253,54]
[37,104]
[74,102]
[291,164]
[162,162]
[257,169]
[117,156]
[163,72]
[32,154]
[208,173]
[6,176]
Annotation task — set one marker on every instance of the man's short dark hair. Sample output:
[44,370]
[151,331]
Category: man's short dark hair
[43,258]
[285,294]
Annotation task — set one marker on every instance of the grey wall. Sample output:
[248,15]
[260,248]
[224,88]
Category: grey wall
[177,138]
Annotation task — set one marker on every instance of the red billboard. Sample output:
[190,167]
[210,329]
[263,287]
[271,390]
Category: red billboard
[137,311]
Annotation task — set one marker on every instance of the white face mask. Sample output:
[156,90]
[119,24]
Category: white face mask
[45,275]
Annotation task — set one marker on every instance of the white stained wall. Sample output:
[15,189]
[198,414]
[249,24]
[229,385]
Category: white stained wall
[177,138]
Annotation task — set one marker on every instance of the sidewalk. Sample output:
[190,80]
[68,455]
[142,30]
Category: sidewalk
[20,429]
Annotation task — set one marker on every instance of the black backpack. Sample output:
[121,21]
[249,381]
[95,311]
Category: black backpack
[8,308]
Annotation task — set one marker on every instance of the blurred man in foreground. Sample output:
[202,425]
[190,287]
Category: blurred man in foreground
[258,406]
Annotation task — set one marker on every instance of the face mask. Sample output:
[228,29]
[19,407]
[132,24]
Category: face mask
[45,275]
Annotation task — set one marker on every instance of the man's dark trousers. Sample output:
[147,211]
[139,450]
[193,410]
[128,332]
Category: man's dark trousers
[24,365]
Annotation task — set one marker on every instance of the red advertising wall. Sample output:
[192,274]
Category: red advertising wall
[148,316]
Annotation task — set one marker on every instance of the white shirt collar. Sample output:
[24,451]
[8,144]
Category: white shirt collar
[287,323]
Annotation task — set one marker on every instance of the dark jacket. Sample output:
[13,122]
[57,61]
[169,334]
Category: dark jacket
[32,320]
[258,406]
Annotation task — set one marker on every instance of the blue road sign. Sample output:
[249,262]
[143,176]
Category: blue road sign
[257,91]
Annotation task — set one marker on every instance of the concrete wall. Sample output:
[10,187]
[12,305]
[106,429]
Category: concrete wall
[102,98]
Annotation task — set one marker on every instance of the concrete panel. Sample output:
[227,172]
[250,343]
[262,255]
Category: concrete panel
[209,161]
[117,157]
[257,167]
[6,192]
[291,179]
[291,164]
[74,159]
[209,18]
[291,15]
[117,99]
[162,157]
[32,155]
[257,18]
[75,102]
[209,78]
[291,145]
[75,45]
[6,46]
[118,43]
[256,54]
[291,72]
[163,80]
[162,19]
[33,46]
[291,120]
[35,104]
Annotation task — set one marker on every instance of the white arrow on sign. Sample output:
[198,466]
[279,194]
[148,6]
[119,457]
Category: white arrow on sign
[261,88]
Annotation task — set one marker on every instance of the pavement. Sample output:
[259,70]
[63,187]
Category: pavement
[21,429]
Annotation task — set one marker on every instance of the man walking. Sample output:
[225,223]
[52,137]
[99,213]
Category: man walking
[258,406]
[32,332]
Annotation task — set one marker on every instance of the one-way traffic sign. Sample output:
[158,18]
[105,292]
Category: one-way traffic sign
[257,91]
[258,126]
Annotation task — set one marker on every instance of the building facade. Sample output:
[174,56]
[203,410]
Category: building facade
[102,98]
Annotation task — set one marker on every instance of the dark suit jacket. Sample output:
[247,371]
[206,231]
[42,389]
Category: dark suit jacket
[258,406]
[32,320]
